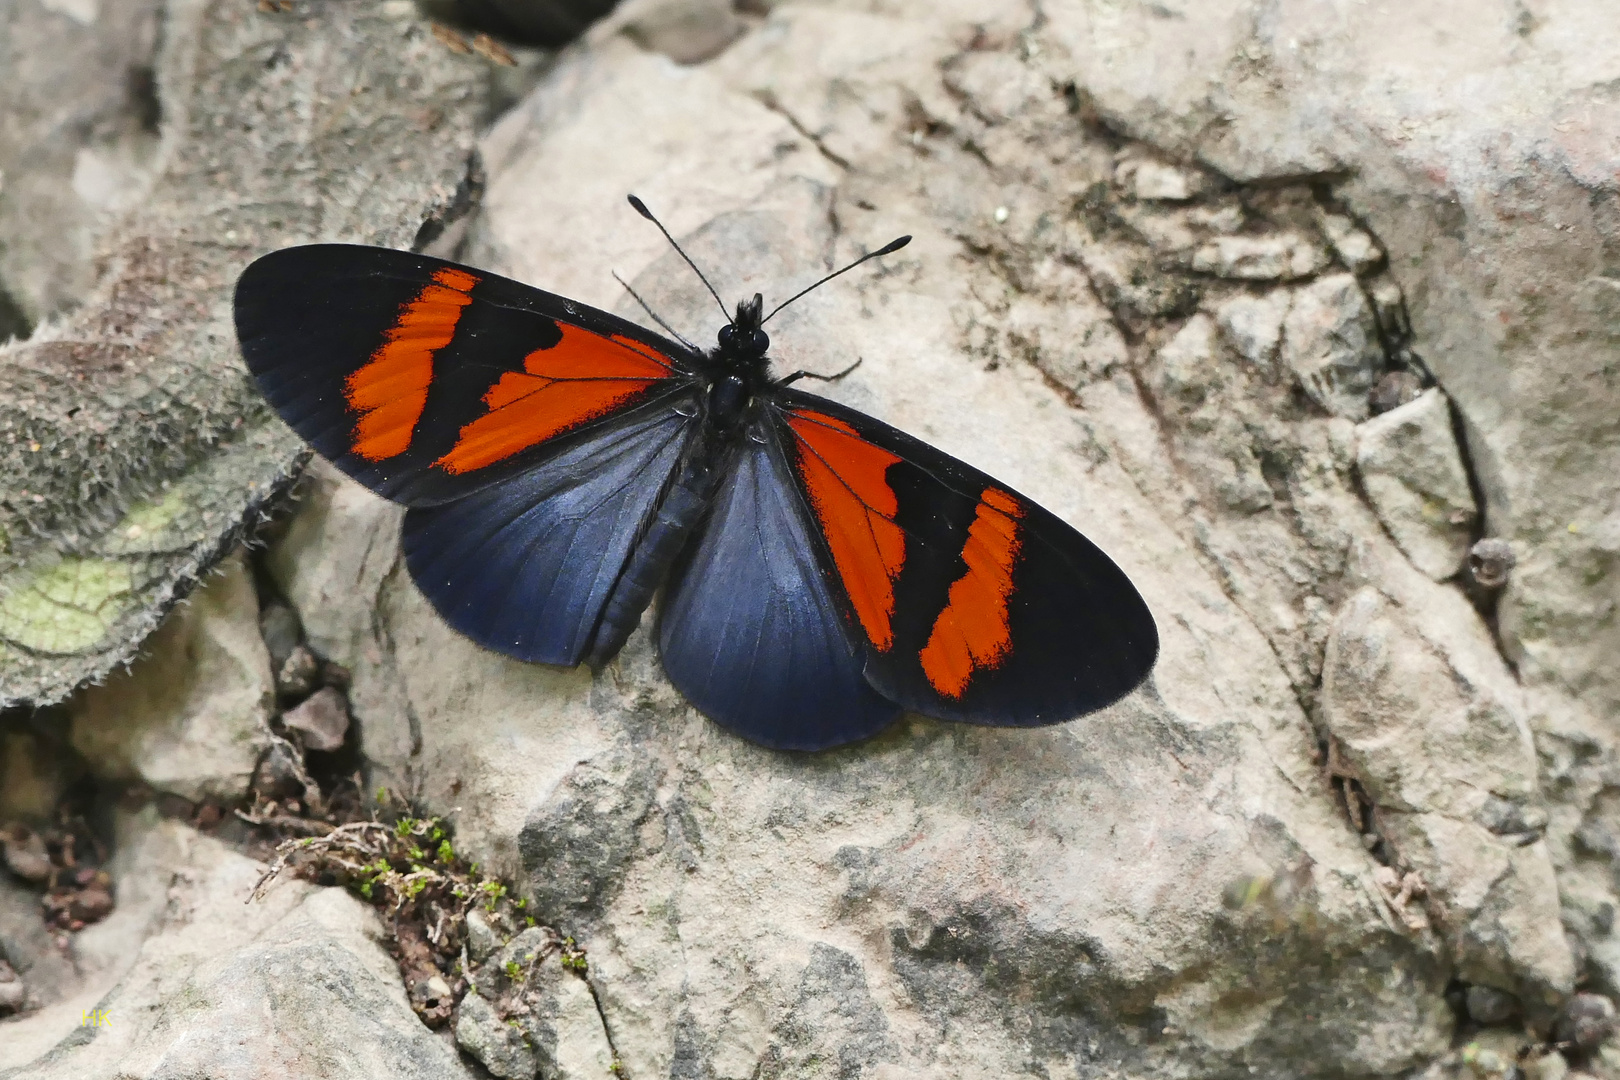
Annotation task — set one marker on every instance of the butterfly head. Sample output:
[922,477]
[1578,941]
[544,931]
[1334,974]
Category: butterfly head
[743,339]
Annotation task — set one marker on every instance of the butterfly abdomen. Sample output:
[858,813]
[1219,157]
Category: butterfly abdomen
[682,507]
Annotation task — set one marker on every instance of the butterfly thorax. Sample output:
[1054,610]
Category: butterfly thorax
[741,366]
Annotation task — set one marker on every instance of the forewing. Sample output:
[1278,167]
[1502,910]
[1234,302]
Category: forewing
[974,603]
[425,380]
[525,565]
[750,631]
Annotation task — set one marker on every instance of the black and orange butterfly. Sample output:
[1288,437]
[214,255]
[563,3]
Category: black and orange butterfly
[824,571]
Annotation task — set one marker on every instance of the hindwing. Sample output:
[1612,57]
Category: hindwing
[971,601]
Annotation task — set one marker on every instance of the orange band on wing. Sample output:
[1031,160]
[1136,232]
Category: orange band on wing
[391,389]
[972,632]
[846,479]
[582,377]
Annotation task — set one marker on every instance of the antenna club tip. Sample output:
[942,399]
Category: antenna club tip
[641,208]
[896,245]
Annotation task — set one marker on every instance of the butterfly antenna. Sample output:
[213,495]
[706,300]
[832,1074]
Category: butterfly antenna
[641,208]
[668,329]
[887,249]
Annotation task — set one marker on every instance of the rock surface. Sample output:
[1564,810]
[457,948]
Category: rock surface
[1479,145]
[528,1014]
[1414,476]
[190,982]
[944,901]
[193,716]
[1168,258]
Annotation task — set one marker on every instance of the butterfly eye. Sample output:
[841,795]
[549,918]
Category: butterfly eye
[759,342]
[726,336]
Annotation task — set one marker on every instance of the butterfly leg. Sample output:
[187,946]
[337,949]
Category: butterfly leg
[797,375]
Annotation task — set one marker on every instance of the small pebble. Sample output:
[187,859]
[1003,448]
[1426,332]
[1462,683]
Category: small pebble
[91,904]
[322,719]
[1585,1022]
[1549,1066]
[299,674]
[281,630]
[1394,389]
[25,855]
[1488,1005]
[431,996]
[1482,1061]
[482,938]
[277,772]
[12,991]
[1490,562]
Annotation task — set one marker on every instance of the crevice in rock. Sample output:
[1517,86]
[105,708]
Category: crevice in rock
[774,104]
[444,229]
[13,320]
[383,634]
[607,1029]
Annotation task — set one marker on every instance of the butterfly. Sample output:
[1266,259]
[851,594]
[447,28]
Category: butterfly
[822,572]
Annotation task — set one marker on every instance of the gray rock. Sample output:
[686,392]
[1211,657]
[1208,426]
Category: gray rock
[279,771]
[1157,181]
[13,994]
[79,144]
[1507,818]
[1490,562]
[1502,252]
[35,772]
[522,954]
[686,31]
[298,673]
[281,630]
[192,982]
[1331,344]
[1548,1066]
[483,938]
[1252,326]
[1585,1022]
[322,719]
[1282,257]
[552,1023]
[500,1047]
[1431,733]
[1413,474]
[1080,347]
[1354,246]
[191,716]
[1126,279]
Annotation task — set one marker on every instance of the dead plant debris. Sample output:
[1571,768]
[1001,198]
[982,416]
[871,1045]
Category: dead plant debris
[406,867]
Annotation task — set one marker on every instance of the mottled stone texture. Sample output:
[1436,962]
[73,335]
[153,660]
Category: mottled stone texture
[1165,256]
